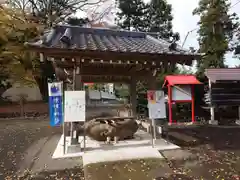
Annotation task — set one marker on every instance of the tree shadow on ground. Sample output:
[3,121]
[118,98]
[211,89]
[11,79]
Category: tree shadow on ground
[219,138]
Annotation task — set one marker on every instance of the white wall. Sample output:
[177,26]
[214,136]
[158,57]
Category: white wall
[94,94]
[97,95]
[106,95]
[31,93]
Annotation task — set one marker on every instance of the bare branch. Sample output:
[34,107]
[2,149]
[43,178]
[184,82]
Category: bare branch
[100,11]
[22,5]
[105,13]
[50,11]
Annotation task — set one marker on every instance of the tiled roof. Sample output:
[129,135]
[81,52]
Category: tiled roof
[223,74]
[94,39]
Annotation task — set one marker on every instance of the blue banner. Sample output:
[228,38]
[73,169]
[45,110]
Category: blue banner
[55,103]
[56,110]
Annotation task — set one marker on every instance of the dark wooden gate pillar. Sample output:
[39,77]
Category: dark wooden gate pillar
[152,83]
[133,96]
[78,80]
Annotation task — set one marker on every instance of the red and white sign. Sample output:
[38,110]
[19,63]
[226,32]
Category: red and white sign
[151,97]
[156,105]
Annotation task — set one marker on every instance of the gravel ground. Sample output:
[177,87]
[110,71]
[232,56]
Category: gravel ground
[215,154]
[69,174]
[138,169]
[16,140]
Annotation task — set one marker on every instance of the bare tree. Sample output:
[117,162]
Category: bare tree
[53,11]
[22,5]
[99,12]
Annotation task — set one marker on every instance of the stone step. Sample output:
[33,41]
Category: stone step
[120,154]
[182,139]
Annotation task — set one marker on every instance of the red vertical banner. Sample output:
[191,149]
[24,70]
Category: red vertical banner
[170,104]
[193,104]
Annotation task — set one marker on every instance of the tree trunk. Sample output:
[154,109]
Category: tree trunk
[21,107]
[43,87]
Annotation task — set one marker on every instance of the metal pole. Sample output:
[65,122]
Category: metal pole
[64,139]
[64,133]
[154,134]
[71,131]
[84,131]
[73,141]
[154,130]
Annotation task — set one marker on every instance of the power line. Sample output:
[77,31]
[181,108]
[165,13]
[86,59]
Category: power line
[185,39]
[235,4]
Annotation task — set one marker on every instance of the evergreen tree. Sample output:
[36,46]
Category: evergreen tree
[132,15]
[160,18]
[155,16]
[217,27]
[237,43]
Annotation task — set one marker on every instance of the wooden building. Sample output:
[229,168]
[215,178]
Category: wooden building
[109,56]
[223,94]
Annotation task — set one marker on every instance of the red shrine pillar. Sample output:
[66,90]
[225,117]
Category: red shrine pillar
[170,103]
[193,104]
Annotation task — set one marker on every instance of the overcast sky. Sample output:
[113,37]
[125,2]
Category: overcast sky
[184,22]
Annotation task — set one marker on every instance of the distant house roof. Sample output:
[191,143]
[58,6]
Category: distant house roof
[180,80]
[107,40]
[223,74]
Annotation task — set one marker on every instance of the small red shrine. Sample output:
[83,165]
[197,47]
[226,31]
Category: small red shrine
[180,90]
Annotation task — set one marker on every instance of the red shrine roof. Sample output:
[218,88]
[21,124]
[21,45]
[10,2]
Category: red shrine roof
[180,79]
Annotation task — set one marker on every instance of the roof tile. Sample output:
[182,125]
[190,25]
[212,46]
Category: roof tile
[223,74]
[74,37]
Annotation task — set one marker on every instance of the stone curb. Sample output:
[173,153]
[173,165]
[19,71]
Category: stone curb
[147,126]
[225,127]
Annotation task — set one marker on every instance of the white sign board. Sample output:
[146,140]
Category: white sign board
[156,105]
[181,92]
[74,106]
